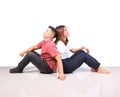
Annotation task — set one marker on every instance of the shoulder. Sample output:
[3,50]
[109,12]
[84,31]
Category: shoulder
[51,43]
[60,43]
[40,43]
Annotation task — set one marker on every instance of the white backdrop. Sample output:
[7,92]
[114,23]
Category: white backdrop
[92,23]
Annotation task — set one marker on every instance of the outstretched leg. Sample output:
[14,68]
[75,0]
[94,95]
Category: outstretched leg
[95,65]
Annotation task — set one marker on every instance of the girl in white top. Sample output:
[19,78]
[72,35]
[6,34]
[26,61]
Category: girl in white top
[78,58]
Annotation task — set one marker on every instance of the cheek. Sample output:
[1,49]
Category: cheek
[66,34]
[45,34]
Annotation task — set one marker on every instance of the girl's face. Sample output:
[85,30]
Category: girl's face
[66,32]
[48,33]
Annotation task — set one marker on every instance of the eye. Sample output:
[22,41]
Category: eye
[47,30]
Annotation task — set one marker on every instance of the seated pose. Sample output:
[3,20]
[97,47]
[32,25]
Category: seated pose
[80,56]
[49,59]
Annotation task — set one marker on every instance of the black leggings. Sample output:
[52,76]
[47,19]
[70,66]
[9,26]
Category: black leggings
[36,60]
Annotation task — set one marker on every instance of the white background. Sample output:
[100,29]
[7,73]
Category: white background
[91,23]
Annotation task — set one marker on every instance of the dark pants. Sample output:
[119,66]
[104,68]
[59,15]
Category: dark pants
[76,60]
[36,60]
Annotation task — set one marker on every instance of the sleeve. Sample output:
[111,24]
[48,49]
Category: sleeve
[39,45]
[61,47]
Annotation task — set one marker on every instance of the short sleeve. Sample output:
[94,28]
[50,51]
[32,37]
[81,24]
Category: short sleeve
[39,45]
[61,47]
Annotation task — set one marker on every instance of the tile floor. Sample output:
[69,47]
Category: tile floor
[81,83]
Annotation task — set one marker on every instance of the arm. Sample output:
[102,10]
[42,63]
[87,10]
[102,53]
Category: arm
[60,67]
[80,48]
[28,50]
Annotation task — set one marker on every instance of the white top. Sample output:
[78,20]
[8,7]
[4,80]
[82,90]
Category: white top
[63,49]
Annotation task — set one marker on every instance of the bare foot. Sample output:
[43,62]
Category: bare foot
[103,71]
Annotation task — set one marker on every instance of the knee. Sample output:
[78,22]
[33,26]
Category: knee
[80,51]
[29,54]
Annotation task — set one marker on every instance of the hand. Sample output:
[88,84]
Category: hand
[61,77]
[22,54]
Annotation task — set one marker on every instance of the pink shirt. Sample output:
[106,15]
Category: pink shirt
[48,52]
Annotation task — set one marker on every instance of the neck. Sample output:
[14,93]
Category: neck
[65,39]
[46,39]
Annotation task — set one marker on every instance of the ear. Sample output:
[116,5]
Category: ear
[52,35]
